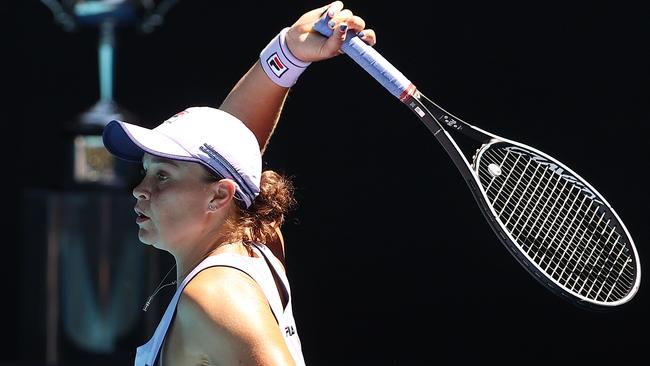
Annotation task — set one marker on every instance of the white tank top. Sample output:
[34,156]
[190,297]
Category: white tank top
[261,270]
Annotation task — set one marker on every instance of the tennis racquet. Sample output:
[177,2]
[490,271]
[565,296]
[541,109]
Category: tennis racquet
[557,226]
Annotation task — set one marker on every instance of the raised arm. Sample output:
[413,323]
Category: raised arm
[257,100]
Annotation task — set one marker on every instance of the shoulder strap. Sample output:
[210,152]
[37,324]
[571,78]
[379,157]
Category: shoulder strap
[276,266]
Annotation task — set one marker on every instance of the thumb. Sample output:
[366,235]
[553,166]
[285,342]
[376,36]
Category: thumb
[313,15]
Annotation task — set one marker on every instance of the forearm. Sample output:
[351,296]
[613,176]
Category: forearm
[257,101]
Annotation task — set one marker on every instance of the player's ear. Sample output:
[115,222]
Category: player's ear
[223,192]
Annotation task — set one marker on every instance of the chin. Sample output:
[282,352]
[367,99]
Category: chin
[148,239]
[145,238]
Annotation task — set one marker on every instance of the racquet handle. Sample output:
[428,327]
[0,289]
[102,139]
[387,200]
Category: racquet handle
[371,61]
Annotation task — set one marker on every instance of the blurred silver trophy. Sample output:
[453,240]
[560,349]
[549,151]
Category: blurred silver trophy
[91,163]
[97,273]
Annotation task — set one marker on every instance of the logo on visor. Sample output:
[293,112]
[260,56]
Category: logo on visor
[176,116]
[276,65]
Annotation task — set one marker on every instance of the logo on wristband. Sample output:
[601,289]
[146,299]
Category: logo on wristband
[276,65]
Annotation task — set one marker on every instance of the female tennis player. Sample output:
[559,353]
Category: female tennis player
[204,199]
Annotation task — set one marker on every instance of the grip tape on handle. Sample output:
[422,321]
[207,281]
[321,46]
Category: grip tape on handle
[371,61]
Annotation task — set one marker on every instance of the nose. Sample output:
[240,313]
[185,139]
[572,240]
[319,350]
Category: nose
[140,191]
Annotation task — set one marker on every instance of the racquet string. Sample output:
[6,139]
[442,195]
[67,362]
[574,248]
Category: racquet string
[592,287]
[553,271]
[563,203]
[557,225]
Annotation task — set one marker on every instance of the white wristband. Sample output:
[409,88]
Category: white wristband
[279,63]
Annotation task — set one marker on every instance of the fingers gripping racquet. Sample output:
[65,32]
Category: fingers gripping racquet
[550,219]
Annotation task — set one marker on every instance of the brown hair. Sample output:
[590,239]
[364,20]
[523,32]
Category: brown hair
[259,222]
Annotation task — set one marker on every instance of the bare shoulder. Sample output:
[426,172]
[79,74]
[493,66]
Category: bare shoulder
[224,314]
[222,297]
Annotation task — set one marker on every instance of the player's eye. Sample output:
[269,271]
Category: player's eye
[162,176]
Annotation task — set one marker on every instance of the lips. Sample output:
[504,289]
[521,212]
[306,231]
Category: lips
[141,217]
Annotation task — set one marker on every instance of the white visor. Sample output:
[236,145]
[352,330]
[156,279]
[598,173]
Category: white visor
[204,135]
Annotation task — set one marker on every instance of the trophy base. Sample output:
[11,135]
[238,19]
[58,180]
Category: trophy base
[92,166]
[93,120]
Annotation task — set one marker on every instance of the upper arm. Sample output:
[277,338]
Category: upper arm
[226,316]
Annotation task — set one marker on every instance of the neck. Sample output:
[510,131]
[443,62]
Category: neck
[186,263]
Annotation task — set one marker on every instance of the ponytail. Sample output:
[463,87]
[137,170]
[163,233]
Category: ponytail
[259,222]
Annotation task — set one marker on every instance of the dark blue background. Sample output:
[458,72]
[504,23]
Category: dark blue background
[391,261]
